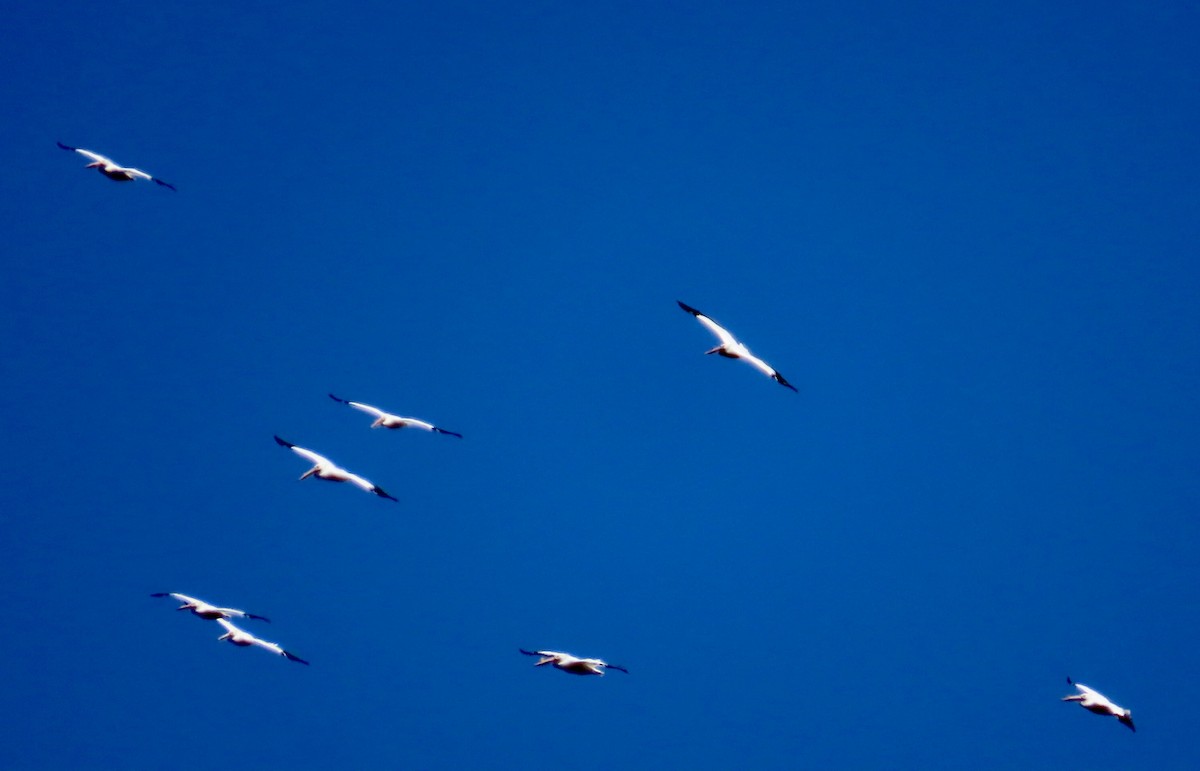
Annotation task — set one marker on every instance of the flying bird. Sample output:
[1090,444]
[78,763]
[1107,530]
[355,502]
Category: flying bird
[204,610]
[730,348]
[243,639]
[388,420]
[111,169]
[327,469]
[573,664]
[1096,702]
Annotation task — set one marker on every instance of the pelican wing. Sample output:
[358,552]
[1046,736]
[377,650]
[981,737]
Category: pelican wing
[361,407]
[722,334]
[270,646]
[303,453]
[766,369]
[88,154]
[367,485]
[243,614]
[139,173]
[178,596]
[229,627]
[358,481]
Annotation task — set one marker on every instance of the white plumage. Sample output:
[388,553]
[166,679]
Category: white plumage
[1094,701]
[243,639]
[330,471]
[389,420]
[112,169]
[205,610]
[572,664]
[730,348]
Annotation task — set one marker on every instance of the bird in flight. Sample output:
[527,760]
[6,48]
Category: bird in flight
[111,169]
[328,470]
[730,348]
[573,664]
[1094,701]
[243,639]
[388,420]
[204,610]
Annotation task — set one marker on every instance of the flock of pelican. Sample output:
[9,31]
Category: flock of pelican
[323,468]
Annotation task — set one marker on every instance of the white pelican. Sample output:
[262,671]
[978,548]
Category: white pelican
[243,638]
[730,348]
[388,420]
[573,664]
[1094,701]
[327,469]
[110,169]
[204,610]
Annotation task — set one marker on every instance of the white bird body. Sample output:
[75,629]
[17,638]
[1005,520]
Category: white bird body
[1097,703]
[243,639]
[730,348]
[206,610]
[389,420]
[113,170]
[572,664]
[330,471]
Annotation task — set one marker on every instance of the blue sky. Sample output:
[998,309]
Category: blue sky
[967,235]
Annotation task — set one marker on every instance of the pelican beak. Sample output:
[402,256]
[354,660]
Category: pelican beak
[308,473]
[546,660]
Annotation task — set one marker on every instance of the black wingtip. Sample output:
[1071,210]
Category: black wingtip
[164,184]
[527,653]
[783,382]
[160,594]
[260,618]
[65,147]
[383,494]
[339,401]
[294,657]
[614,666]
[282,443]
[689,308]
[1070,681]
[444,431]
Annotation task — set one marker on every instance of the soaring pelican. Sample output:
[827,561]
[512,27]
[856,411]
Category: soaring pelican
[1094,701]
[388,420]
[204,610]
[573,664]
[242,638]
[110,169]
[730,348]
[327,469]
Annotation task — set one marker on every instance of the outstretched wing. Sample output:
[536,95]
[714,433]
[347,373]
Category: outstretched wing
[243,614]
[177,595]
[88,154]
[766,369]
[367,485]
[722,334]
[361,407]
[303,453]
